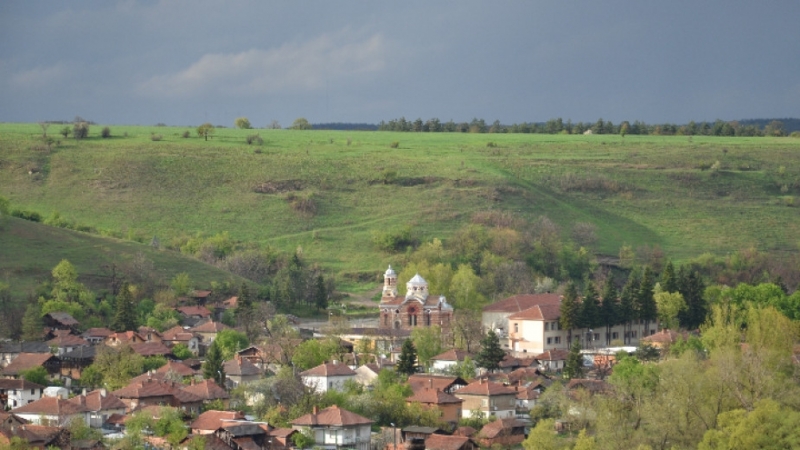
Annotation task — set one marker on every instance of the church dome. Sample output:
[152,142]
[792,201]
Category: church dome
[417,280]
[390,272]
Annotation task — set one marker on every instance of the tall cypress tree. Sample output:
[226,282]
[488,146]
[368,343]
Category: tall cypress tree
[573,367]
[125,314]
[408,358]
[491,352]
[608,309]
[569,310]
[627,305]
[32,325]
[213,367]
[590,309]
[645,303]
[691,286]
[320,293]
[669,280]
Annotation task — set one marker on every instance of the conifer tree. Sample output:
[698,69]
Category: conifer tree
[213,367]
[408,358]
[669,281]
[609,309]
[569,310]
[125,314]
[590,309]
[491,352]
[573,368]
[691,286]
[320,294]
[645,303]
[32,324]
[244,313]
[627,305]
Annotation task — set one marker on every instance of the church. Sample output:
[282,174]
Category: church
[417,309]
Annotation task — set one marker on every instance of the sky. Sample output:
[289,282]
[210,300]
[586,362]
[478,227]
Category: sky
[186,62]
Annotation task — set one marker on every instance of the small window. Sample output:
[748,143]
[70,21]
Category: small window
[549,340]
[516,328]
[547,326]
[615,335]
[597,336]
[558,339]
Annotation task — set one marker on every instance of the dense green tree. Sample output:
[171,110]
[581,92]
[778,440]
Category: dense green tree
[242,123]
[408,359]
[590,317]
[230,342]
[645,303]
[125,311]
[573,368]
[213,368]
[245,313]
[491,352]
[32,324]
[428,342]
[543,437]
[181,351]
[301,123]
[314,352]
[691,286]
[320,294]
[36,375]
[627,305]
[609,308]
[669,279]
[669,306]
[206,131]
[768,425]
[115,366]
[570,310]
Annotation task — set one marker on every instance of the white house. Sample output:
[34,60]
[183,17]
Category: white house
[15,393]
[52,411]
[101,405]
[335,428]
[327,376]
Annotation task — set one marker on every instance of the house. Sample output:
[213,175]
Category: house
[210,442]
[38,436]
[417,309]
[207,331]
[200,296]
[448,404]
[239,370]
[140,394]
[210,421]
[14,393]
[208,391]
[179,335]
[52,411]
[100,404]
[328,376]
[444,442]
[149,334]
[281,438]
[366,374]
[511,363]
[65,343]
[171,371]
[527,396]
[414,436]
[96,335]
[27,361]
[116,340]
[60,321]
[73,363]
[192,315]
[443,362]
[244,435]
[487,398]
[553,360]
[10,421]
[444,383]
[663,339]
[335,428]
[503,432]
[152,349]
[495,316]
[10,350]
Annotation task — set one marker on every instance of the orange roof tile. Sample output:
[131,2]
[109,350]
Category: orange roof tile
[212,419]
[444,442]
[51,406]
[433,397]
[207,390]
[26,361]
[98,400]
[481,387]
[522,302]
[332,416]
[329,370]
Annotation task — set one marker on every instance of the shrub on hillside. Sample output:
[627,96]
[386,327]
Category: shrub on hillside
[80,130]
[254,138]
[302,202]
[186,134]
[27,215]
[156,137]
[394,144]
[106,133]
[394,240]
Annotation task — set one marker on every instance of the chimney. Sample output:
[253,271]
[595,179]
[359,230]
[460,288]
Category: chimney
[430,382]
[315,410]
[103,392]
[83,392]
[335,362]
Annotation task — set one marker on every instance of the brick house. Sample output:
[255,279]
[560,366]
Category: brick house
[488,398]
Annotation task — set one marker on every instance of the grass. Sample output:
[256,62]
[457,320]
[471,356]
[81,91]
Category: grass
[637,190]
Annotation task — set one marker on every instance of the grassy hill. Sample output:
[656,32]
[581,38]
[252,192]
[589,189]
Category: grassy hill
[329,191]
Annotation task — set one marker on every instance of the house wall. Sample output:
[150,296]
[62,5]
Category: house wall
[501,406]
[331,437]
[324,384]
[531,336]
[20,397]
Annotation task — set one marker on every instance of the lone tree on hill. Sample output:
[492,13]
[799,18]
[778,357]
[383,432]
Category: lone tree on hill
[242,123]
[491,352]
[205,130]
[301,123]
[408,358]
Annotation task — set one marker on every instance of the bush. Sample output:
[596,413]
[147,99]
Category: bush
[66,131]
[242,123]
[27,215]
[254,138]
[186,134]
[80,130]
[491,144]
[394,144]
[106,133]
[795,134]
[156,137]
[302,202]
[394,240]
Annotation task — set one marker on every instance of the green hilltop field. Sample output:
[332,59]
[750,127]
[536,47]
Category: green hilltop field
[328,192]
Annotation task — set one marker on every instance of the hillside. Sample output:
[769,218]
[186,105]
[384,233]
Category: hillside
[329,191]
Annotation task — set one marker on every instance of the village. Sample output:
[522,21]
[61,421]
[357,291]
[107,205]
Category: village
[465,398]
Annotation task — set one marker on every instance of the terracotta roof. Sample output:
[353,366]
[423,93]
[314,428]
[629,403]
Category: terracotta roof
[67,340]
[465,431]
[125,336]
[210,442]
[433,396]
[329,370]
[97,332]
[201,311]
[557,354]
[63,318]
[26,361]
[150,349]
[495,428]
[98,400]
[10,383]
[207,390]
[527,393]
[178,368]
[231,302]
[538,312]
[51,406]
[35,434]
[332,416]
[117,419]
[481,387]
[663,337]
[282,432]
[444,442]
[210,327]
[452,355]
[177,334]
[522,302]
[523,373]
[212,420]
[443,382]
[156,388]
[241,367]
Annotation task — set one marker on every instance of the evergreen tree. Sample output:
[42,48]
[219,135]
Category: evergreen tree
[408,358]
[32,324]
[491,352]
[569,310]
[590,310]
[691,286]
[645,303]
[573,368]
[125,314]
[609,309]
[244,313]
[320,294]
[213,368]
[627,305]
[669,281]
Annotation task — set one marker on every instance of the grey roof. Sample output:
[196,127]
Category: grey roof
[24,347]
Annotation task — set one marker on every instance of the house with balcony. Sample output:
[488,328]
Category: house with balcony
[335,428]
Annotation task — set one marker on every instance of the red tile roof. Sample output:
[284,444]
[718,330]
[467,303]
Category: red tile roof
[207,390]
[150,349]
[178,368]
[98,400]
[538,312]
[210,327]
[444,442]
[465,431]
[125,336]
[239,366]
[156,388]
[452,355]
[662,337]
[201,311]
[334,416]
[26,361]
[522,302]
[557,354]
[67,340]
[433,397]
[212,420]
[420,381]
[9,383]
[481,387]
[97,332]
[496,428]
[329,370]
[51,406]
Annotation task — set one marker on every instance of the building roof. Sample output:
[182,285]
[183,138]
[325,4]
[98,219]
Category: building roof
[26,361]
[24,347]
[84,352]
[51,406]
[200,311]
[465,431]
[63,318]
[329,370]
[67,340]
[97,333]
[557,354]
[331,416]
[443,382]
[495,428]
[452,355]
[207,390]
[538,312]
[662,337]
[212,419]
[433,397]
[522,302]
[98,400]
[210,442]
[10,383]
[512,361]
[157,388]
[125,336]
[210,327]
[151,349]
[488,388]
[527,392]
[444,442]
[239,366]
[35,434]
